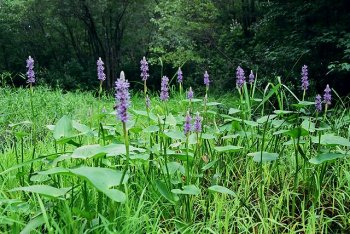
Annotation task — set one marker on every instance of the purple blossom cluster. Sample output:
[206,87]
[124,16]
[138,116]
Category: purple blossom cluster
[190,94]
[251,77]
[327,97]
[206,79]
[122,98]
[100,70]
[318,103]
[164,91]
[179,76]
[30,73]
[187,126]
[240,78]
[198,123]
[144,69]
[304,78]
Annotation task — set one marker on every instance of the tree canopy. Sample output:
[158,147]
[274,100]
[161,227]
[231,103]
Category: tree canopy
[273,38]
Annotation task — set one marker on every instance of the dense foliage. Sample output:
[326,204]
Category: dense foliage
[274,38]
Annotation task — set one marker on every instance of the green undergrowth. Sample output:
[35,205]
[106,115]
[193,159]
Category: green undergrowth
[261,165]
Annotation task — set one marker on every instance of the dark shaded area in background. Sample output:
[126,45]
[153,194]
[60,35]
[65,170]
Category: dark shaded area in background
[275,38]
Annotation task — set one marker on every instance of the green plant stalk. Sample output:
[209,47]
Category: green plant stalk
[100,90]
[188,179]
[180,88]
[31,92]
[127,153]
[325,112]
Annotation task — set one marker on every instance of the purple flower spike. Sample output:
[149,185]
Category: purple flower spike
[144,68]
[122,97]
[251,77]
[240,78]
[198,123]
[304,78]
[318,103]
[190,94]
[179,76]
[187,126]
[100,70]
[206,79]
[30,72]
[327,97]
[164,91]
[148,102]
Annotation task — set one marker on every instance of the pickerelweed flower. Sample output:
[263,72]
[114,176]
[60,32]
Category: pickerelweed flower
[187,126]
[304,78]
[164,90]
[100,70]
[144,68]
[327,97]
[206,79]
[318,103]
[240,78]
[30,73]
[122,98]
[251,77]
[190,94]
[179,76]
[198,123]
[148,102]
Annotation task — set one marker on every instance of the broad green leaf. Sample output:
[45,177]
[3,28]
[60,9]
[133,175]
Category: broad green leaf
[192,100]
[213,103]
[282,112]
[33,224]
[140,112]
[103,179]
[263,156]
[209,165]
[187,190]
[296,132]
[119,149]
[26,122]
[130,124]
[39,178]
[251,123]
[143,157]
[232,111]
[221,189]
[234,136]
[88,151]
[303,104]
[175,135]
[181,155]
[325,157]
[170,120]
[265,118]
[192,139]
[173,167]
[227,148]
[63,128]
[331,139]
[150,129]
[83,129]
[280,132]
[208,136]
[164,191]
[308,125]
[45,190]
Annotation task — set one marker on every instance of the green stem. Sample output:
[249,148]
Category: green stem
[126,141]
